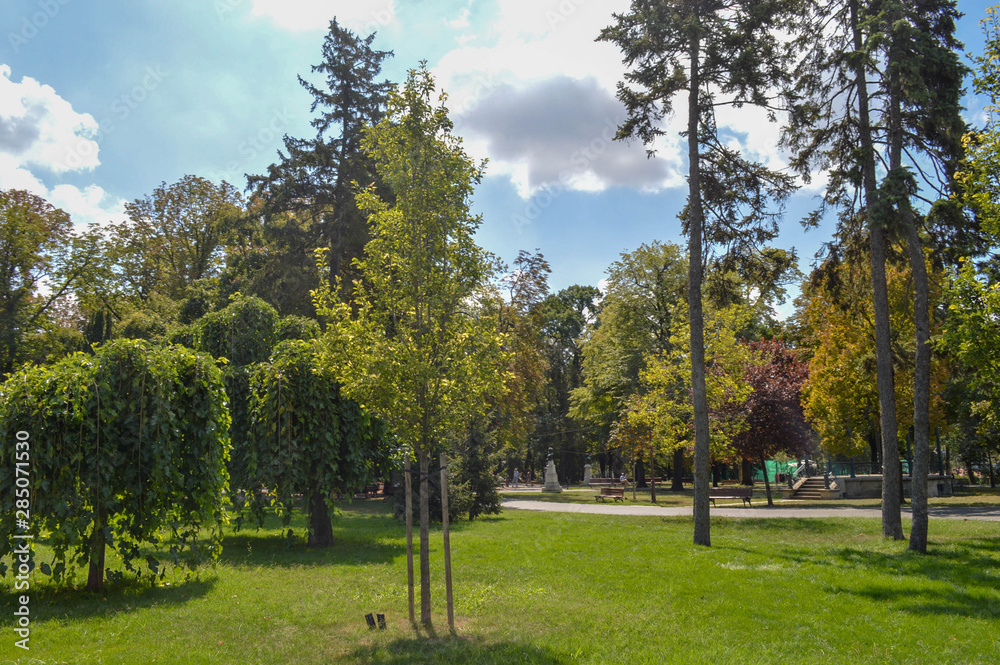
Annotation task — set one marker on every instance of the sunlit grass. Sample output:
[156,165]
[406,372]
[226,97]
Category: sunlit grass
[550,588]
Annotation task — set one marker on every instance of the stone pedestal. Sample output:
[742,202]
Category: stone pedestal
[551,479]
[586,474]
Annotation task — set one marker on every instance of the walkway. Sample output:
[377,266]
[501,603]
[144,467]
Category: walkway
[991,514]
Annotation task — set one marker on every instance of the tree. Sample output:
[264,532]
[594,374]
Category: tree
[715,53]
[635,321]
[125,445]
[562,318]
[181,229]
[33,235]
[772,411]
[419,352]
[308,198]
[306,438]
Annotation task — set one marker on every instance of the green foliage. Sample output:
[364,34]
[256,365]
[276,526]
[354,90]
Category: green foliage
[305,437]
[416,353]
[243,332]
[141,325]
[33,236]
[296,327]
[127,447]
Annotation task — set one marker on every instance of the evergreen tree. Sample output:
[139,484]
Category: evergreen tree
[724,51]
[308,196]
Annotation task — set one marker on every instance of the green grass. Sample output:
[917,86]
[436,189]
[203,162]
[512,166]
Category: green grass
[553,589]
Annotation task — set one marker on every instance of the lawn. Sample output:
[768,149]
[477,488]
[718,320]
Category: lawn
[551,588]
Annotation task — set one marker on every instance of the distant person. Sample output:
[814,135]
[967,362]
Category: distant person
[623,480]
[517,477]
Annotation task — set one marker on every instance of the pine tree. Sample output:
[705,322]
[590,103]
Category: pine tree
[715,52]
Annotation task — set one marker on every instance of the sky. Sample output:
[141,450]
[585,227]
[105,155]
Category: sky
[101,101]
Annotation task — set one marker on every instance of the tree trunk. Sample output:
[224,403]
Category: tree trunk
[921,316]
[746,472]
[767,483]
[95,576]
[652,477]
[892,525]
[702,523]
[640,474]
[677,484]
[425,547]
[320,525]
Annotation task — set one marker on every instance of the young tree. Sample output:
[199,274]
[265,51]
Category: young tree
[714,53]
[419,352]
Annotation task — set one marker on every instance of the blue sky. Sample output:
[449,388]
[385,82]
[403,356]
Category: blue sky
[102,100]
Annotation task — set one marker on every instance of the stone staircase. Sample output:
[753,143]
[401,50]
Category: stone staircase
[812,488]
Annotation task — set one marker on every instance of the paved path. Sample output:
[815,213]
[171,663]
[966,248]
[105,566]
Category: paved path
[989,514]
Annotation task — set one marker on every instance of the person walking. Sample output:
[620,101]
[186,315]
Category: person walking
[517,477]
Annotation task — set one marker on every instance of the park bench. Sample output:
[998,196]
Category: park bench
[616,493]
[744,493]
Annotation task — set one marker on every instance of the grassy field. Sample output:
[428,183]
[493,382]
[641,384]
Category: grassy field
[553,589]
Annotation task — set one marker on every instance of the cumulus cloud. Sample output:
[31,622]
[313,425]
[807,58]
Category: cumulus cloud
[38,131]
[363,16]
[560,131]
[90,205]
[38,128]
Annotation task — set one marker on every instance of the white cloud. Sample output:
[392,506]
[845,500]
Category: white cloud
[40,129]
[362,16]
[90,205]
[39,132]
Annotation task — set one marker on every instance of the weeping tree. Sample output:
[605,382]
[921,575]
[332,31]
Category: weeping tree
[417,347]
[126,448]
[306,437]
[714,53]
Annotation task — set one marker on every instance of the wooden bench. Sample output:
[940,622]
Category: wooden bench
[744,493]
[616,493]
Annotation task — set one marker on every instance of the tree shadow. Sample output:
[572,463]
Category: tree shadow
[269,550]
[452,649]
[49,601]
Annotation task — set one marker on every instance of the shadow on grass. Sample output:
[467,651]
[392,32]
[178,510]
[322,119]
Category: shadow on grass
[450,650]
[270,550]
[952,580]
[52,602]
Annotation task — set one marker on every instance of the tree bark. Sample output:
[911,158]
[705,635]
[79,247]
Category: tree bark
[95,576]
[320,525]
[652,478]
[892,525]
[425,547]
[677,485]
[767,483]
[702,523]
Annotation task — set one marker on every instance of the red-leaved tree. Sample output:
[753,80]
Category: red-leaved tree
[773,411]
